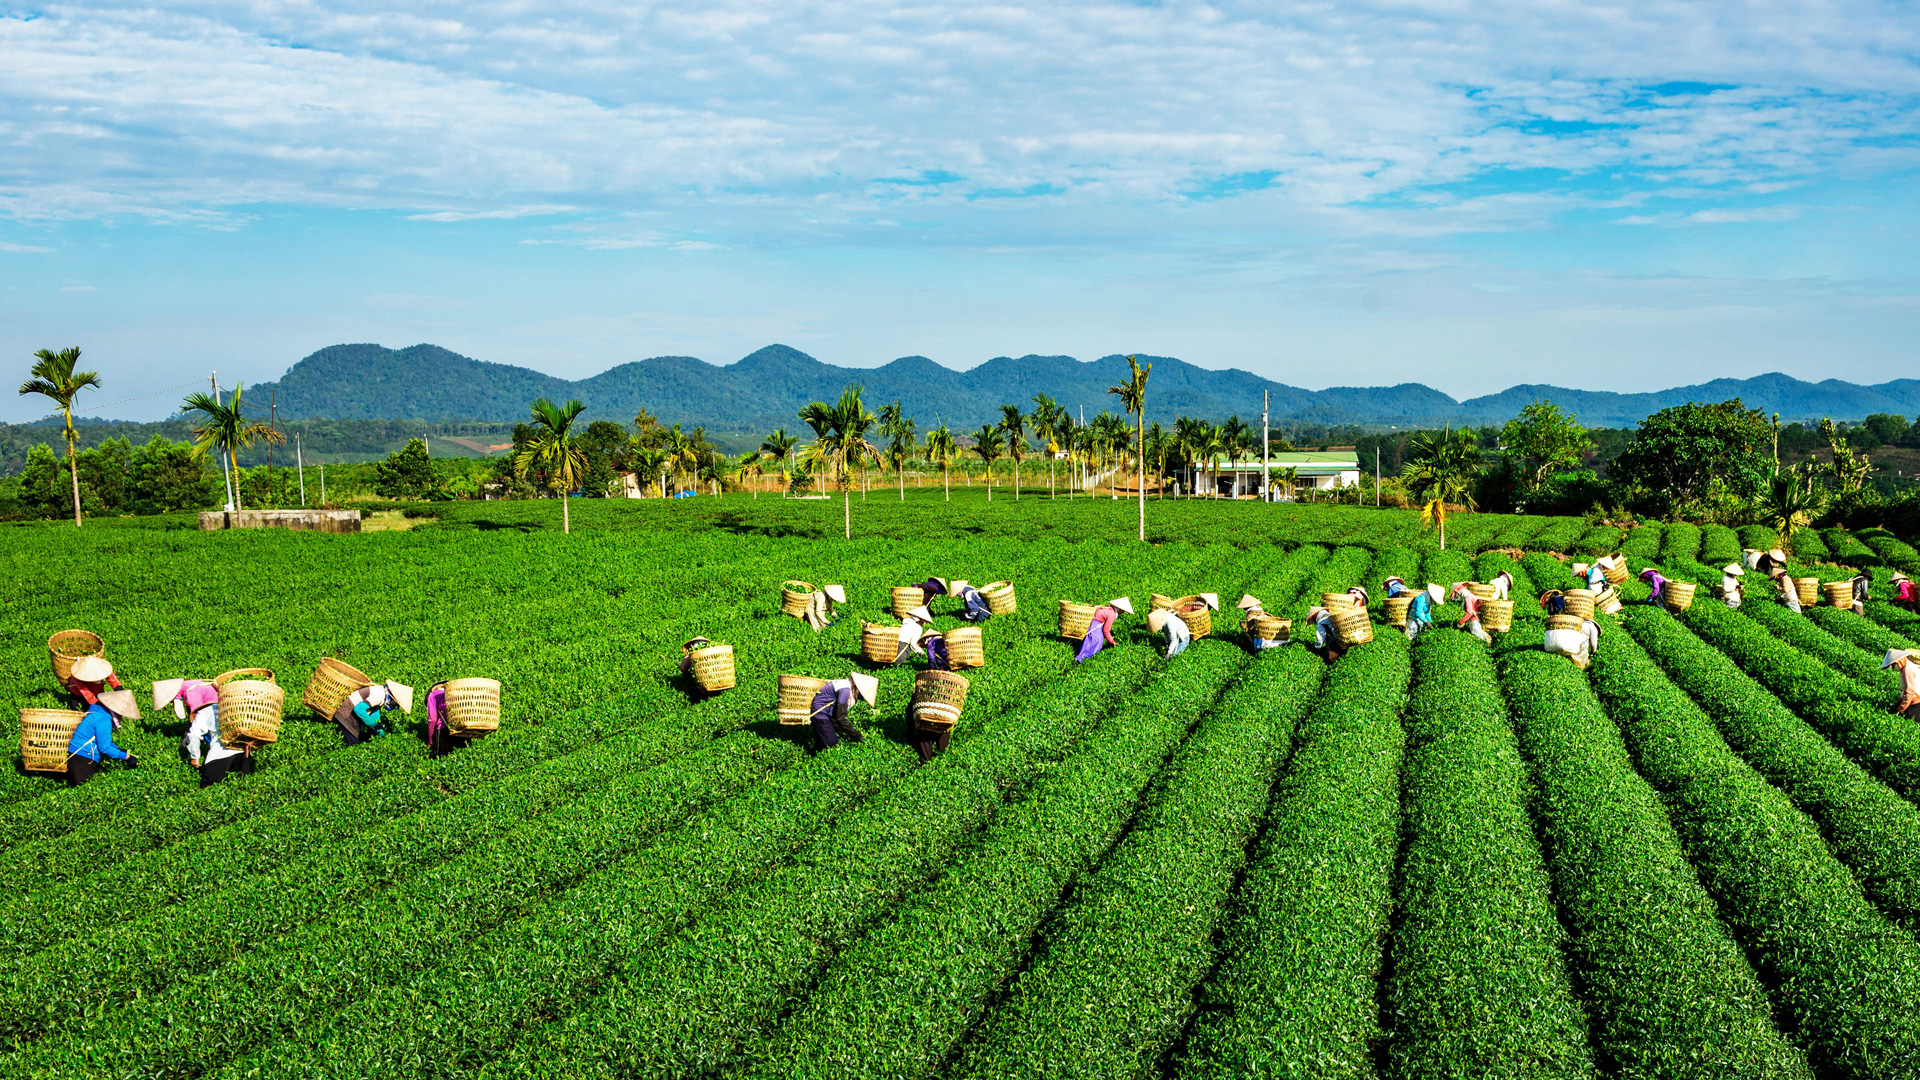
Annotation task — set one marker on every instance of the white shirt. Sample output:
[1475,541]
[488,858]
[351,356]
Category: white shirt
[206,725]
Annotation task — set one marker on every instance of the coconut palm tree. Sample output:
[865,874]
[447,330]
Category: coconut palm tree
[551,451]
[1789,503]
[899,430]
[651,461]
[1045,421]
[941,451]
[986,444]
[1067,436]
[1160,445]
[751,464]
[1014,427]
[224,427]
[1111,432]
[843,444]
[1133,399]
[53,378]
[1440,470]
[779,447]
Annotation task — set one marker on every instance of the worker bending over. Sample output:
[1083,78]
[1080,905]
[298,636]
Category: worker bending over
[1420,610]
[1861,582]
[1502,585]
[1100,631]
[1250,604]
[912,627]
[1789,593]
[1903,661]
[830,704]
[93,738]
[1730,575]
[362,715]
[1575,645]
[1903,590]
[1658,584]
[1179,636]
[1470,616]
[1394,587]
[1326,639]
[199,702]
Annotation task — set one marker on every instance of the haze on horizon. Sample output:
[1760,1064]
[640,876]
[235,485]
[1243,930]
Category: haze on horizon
[1608,196]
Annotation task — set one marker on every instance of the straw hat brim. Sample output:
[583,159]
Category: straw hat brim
[92,669]
[959,585]
[836,593]
[1735,569]
[402,693]
[1777,555]
[166,690]
[1579,568]
[1157,619]
[122,703]
[1122,603]
[1894,656]
[921,613]
[867,687]
[1212,599]
[1248,603]
[1434,592]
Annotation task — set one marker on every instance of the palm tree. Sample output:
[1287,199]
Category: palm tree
[1067,436]
[1133,399]
[1189,437]
[224,427]
[1014,426]
[751,464]
[552,452]
[651,461]
[1213,446]
[1789,503]
[1046,428]
[1440,469]
[898,428]
[779,447]
[1289,479]
[986,443]
[1159,445]
[54,378]
[941,451]
[842,443]
[683,453]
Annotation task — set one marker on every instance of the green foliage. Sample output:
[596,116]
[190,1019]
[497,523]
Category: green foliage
[1681,544]
[1544,439]
[1848,551]
[1695,455]
[406,474]
[1719,545]
[42,491]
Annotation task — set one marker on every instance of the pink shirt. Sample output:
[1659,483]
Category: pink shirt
[1103,617]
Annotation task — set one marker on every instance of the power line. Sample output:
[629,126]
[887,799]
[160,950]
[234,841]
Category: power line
[148,394]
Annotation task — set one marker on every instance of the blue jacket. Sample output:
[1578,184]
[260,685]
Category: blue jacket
[94,736]
[1420,610]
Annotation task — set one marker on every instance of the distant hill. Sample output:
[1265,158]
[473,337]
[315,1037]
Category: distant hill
[764,390]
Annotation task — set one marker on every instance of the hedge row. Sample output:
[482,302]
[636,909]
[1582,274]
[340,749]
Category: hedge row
[1669,992]
[1478,984]
[1599,540]
[1643,542]
[1808,545]
[1681,543]
[1892,550]
[1758,537]
[1847,550]
[1860,630]
[1719,545]
[1860,675]
[1844,980]
[1562,535]
[1519,532]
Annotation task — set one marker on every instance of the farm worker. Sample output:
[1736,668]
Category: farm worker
[912,627]
[89,690]
[1420,610]
[1860,583]
[201,701]
[1100,630]
[1175,627]
[1394,586]
[1553,601]
[1470,619]
[1750,557]
[1252,606]
[820,613]
[933,586]
[1652,577]
[1770,561]
[830,705]
[1903,590]
[1326,638]
[1596,576]
[1591,629]
[441,740]
[362,713]
[94,736]
[1730,575]
[934,644]
[1789,594]
[1572,644]
[976,605]
[1359,595]
[1902,660]
[1502,584]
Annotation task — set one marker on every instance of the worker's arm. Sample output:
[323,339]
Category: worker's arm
[102,732]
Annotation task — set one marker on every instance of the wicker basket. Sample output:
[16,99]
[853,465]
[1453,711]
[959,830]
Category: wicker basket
[966,648]
[1353,626]
[712,665]
[44,735]
[67,646]
[473,707]
[1197,617]
[999,597]
[1336,602]
[1396,610]
[794,597]
[795,704]
[251,707]
[906,598]
[1579,603]
[1615,568]
[1839,593]
[938,698]
[1678,595]
[1809,590]
[878,643]
[1270,628]
[1566,622]
[332,681]
[1162,603]
[1075,620]
[1496,616]
[1480,589]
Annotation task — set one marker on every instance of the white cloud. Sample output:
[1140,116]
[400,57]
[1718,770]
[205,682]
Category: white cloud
[6,245]
[78,288]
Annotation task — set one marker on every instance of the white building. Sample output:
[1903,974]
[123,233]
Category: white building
[1237,479]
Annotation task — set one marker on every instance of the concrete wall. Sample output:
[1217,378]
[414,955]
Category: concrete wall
[333,521]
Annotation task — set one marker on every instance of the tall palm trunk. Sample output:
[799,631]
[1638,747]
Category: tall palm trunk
[566,518]
[946,476]
[1016,479]
[73,470]
[1049,479]
[1140,476]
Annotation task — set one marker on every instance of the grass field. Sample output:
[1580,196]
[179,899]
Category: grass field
[1701,858]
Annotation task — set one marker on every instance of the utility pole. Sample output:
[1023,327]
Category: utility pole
[323,485]
[1376,474]
[300,460]
[1083,467]
[1266,400]
[273,421]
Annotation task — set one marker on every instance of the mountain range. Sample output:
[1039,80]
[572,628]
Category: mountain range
[765,389]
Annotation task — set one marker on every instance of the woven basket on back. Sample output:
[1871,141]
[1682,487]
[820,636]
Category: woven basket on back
[1607,600]
[1496,615]
[906,598]
[1480,589]
[966,648]
[251,707]
[67,646]
[880,644]
[1353,626]
[794,597]
[1396,610]
[1198,618]
[1615,567]
[1678,595]
[1565,622]
[938,698]
[1809,590]
[473,707]
[1839,593]
[794,706]
[712,665]
[1270,628]
[332,681]
[1579,603]
[44,734]
[1336,602]
[1162,603]
[1075,620]
[999,597]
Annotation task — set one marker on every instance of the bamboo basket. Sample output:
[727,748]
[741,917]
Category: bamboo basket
[1162,603]
[1198,619]
[966,648]
[332,681]
[1496,616]
[1678,595]
[1839,593]
[794,706]
[1075,620]
[938,698]
[794,601]
[1336,602]
[999,597]
[712,665]
[1396,612]
[1809,590]
[1353,626]
[1565,622]
[473,706]
[67,646]
[1616,570]
[1480,589]
[44,735]
[878,643]
[1579,603]
[251,707]
[906,598]
[1270,628]
[1607,601]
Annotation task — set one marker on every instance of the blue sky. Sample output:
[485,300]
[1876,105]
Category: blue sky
[1466,194]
